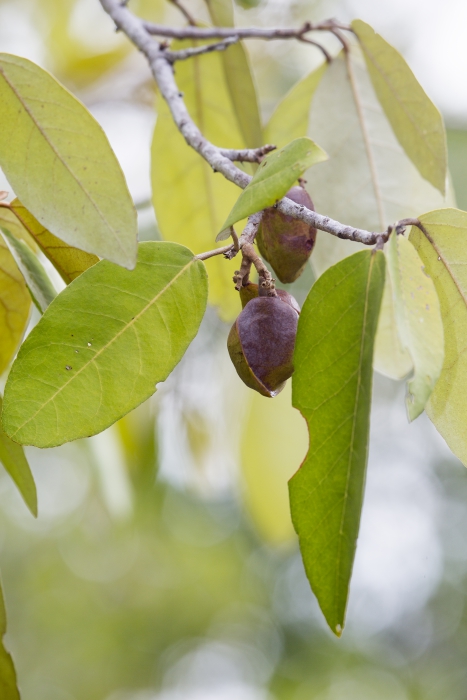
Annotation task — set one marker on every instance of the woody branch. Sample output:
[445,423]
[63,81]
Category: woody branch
[222,160]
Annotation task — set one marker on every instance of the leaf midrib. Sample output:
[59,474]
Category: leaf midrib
[357,397]
[106,346]
[64,163]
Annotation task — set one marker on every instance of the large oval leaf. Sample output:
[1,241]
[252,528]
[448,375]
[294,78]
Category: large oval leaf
[15,302]
[103,345]
[418,319]
[8,687]
[70,262]
[274,177]
[14,460]
[416,121]
[331,387]
[60,164]
[444,252]
[189,199]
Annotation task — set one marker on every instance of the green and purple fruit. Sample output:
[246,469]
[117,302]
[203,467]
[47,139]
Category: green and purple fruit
[261,344]
[287,243]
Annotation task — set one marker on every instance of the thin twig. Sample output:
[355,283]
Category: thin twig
[324,51]
[162,70]
[217,251]
[189,18]
[247,155]
[242,32]
[183,54]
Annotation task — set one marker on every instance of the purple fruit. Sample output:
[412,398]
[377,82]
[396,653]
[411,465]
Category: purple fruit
[287,243]
[261,344]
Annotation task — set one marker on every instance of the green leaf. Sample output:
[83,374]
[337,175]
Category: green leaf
[14,460]
[60,164]
[189,199]
[8,687]
[15,301]
[290,118]
[416,121]
[368,181]
[331,387]
[238,76]
[103,345]
[444,254]
[418,319]
[274,177]
[70,262]
[40,287]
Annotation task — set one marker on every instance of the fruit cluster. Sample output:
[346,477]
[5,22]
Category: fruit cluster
[261,341]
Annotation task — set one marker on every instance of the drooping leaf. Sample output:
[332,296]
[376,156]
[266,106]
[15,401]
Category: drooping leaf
[189,199]
[444,254]
[274,441]
[70,262]
[368,180]
[41,288]
[8,685]
[418,319]
[331,386]
[239,78]
[103,345]
[416,121]
[274,177]
[290,118]
[15,303]
[60,164]
[390,357]
[14,460]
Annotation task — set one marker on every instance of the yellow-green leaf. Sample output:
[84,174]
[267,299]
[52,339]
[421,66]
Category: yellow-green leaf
[274,177]
[239,78]
[189,199]
[368,180]
[416,121]
[70,262]
[14,460]
[40,287]
[60,164]
[418,319]
[15,304]
[8,686]
[444,254]
[331,386]
[103,345]
[290,118]
[390,357]
[274,443]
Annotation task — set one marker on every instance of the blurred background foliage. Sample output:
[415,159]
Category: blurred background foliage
[163,564]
